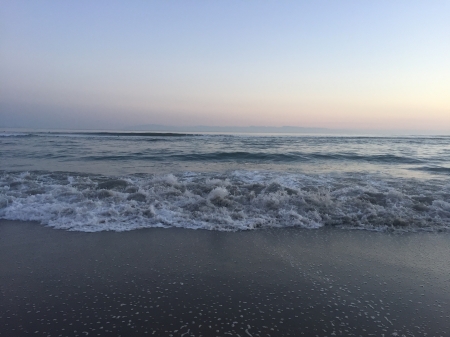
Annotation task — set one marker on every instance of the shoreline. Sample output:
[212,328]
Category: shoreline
[175,281]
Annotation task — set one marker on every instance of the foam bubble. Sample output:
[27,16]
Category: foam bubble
[218,193]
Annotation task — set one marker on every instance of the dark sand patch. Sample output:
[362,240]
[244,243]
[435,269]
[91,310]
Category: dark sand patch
[279,282]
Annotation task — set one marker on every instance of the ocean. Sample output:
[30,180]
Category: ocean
[121,181]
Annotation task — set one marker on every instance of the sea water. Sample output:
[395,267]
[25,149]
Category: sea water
[95,181]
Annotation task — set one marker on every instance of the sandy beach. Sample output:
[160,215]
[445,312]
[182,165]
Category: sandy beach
[179,282]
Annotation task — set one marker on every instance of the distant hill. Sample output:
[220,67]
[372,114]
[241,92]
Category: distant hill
[237,129]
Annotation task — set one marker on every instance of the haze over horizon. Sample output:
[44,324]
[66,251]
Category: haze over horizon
[338,65]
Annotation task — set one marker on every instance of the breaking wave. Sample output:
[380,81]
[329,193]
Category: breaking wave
[231,201]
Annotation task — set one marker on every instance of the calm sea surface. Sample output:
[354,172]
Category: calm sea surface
[122,181]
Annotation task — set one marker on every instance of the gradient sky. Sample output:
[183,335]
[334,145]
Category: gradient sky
[334,64]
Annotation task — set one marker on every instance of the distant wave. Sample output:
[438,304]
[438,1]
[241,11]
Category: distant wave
[293,156]
[257,156]
[242,156]
[231,201]
[434,169]
[133,134]
[16,134]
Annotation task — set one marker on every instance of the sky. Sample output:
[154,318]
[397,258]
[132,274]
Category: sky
[364,65]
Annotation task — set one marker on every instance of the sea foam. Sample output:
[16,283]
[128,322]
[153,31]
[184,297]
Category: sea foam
[231,201]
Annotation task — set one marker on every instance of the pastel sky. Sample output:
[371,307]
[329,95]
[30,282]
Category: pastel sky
[334,64]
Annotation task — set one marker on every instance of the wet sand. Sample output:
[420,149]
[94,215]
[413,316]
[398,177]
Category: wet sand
[179,282]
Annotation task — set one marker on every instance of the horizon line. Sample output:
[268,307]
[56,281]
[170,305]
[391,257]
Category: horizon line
[239,129]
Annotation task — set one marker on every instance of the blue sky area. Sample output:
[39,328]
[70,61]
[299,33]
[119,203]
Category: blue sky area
[335,64]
